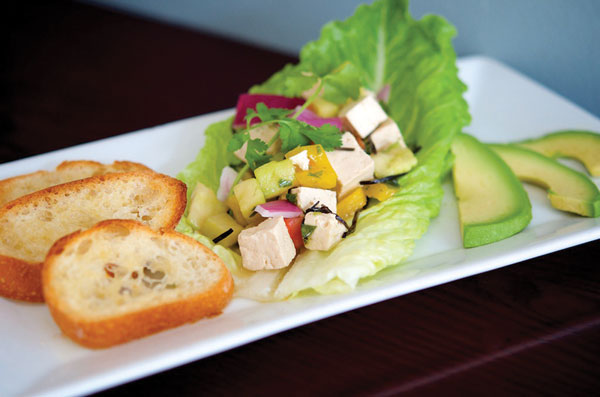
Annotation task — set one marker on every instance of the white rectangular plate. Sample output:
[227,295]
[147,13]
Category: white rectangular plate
[37,359]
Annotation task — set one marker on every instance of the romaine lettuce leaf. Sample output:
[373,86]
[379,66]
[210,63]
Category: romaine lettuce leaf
[386,46]
[211,160]
[232,259]
[337,85]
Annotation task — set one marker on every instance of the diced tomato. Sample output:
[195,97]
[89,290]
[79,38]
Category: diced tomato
[294,226]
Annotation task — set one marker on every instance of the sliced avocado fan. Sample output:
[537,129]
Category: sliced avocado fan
[492,203]
[568,190]
[577,144]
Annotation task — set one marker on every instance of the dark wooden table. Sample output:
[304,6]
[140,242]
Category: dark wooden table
[73,73]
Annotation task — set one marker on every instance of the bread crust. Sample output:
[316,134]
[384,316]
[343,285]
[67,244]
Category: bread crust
[106,332]
[67,171]
[20,278]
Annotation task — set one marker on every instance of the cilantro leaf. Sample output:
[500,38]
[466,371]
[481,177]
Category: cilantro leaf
[307,231]
[293,133]
[290,135]
[256,153]
[328,135]
[237,140]
[266,114]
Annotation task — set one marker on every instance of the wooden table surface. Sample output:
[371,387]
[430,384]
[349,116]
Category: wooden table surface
[74,73]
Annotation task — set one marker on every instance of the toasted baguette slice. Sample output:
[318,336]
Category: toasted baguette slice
[121,280]
[67,171]
[30,224]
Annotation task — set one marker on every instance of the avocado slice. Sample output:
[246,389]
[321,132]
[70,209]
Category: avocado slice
[492,203]
[577,144]
[568,190]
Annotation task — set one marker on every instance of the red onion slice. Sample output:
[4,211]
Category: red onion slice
[249,101]
[384,93]
[228,175]
[312,119]
[278,208]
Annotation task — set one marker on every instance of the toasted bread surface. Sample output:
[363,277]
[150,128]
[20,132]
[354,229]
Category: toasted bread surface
[121,280]
[67,171]
[20,280]
[30,224]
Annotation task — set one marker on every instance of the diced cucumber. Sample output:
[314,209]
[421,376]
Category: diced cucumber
[248,195]
[203,204]
[275,177]
[218,224]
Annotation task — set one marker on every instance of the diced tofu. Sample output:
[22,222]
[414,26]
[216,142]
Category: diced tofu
[265,134]
[267,246]
[328,231]
[363,92]
[351,167]
[364,116]
[385,135]
[306,197]
[350,142]
[300,160]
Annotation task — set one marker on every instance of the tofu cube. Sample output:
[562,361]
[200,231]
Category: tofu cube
[301,160]
[327,233]
[306,197]
[385,135]
[267,246]
[265,133]
[364,116]
[351,167]
[349,141]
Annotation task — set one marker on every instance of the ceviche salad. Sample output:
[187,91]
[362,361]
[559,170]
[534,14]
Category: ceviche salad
[332,168]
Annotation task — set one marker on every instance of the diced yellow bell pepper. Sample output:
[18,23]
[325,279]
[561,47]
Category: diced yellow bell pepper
[380,191]
[354,201]
[320,173]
